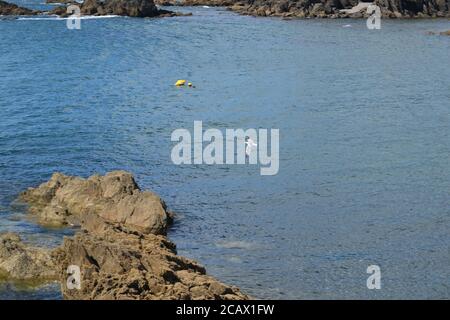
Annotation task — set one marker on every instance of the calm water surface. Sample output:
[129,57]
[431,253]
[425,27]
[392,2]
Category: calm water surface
[365,141]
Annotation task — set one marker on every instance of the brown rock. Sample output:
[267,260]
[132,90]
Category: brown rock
[116,197]
[121,263]
[131,8]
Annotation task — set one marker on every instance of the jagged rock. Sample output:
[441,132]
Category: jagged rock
[121,263]
[21,262]
[116,197]
[9,9]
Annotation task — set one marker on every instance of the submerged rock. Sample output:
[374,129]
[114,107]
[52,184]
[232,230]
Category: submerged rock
[443,33]
[21,262]
[121,250]
[116,197]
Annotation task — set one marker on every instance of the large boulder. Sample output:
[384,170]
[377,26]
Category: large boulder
[116,197]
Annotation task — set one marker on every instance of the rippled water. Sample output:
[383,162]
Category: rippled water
[365,141]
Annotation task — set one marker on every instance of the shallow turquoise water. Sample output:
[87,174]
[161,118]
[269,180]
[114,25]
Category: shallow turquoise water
[365,141]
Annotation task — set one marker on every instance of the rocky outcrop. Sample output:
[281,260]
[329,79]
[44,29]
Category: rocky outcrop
[131,8]
[116,197]
[328,8]
[9,9]
[21,262]
[121,263]
[337,8]
[121,249]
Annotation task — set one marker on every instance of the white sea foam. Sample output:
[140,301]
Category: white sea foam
[52,17]
[235,245]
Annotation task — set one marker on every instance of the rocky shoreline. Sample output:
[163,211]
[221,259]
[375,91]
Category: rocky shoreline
[325,8]
[121,248]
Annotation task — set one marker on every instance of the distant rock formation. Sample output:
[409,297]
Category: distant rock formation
[121,251]
[130,8]
[9,9]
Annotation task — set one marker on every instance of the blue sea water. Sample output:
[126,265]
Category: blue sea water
[364,120]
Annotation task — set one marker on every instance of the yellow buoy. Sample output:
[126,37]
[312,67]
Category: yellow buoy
[190,84]
[180,83]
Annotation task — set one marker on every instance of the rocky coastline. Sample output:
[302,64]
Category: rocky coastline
[287,9]
[325,8]
[121,248]
[342,8]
